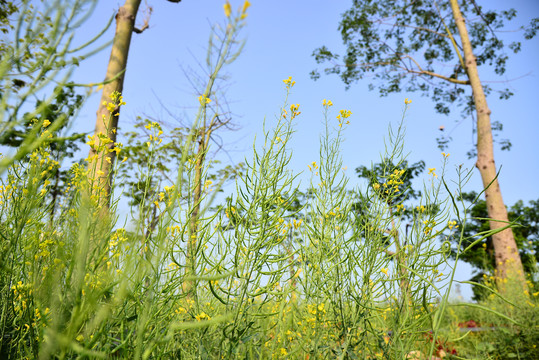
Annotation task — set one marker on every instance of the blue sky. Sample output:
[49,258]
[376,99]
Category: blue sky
[281,36]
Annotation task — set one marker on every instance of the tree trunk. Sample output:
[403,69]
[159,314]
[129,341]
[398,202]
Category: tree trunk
[508,262]
[98,166]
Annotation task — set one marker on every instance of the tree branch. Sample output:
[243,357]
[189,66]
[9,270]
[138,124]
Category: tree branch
[453,41]
[144,27]
[451,80]
[412,27]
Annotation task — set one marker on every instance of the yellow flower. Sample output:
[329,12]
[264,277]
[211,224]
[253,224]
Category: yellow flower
[344,114]
[46,123]
[289,82]
[202,316]
[204,100]
[116,150]
[384,270]
[228,9]
[376,186]
[431,172]
[111,107]
[407,101]
[246,5]
[180,310]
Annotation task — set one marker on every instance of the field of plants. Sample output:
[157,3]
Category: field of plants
[271,271]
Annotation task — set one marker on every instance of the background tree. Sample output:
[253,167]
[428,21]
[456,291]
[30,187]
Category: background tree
[101,156]
[394,40]
[392,183]
[481,255]
[38,51]
[65,105]
[149,173]
[107,118]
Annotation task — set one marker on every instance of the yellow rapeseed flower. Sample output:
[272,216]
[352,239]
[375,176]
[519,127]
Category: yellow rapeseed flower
[344,114]
[228,9]
[204,100]
[289,82]
[111,107]
[246,5]
[202,316]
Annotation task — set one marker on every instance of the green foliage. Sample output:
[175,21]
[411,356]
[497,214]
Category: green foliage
[7,8]
[64,105]
[493,337]
[481,254]
[378,175]
[37,52]
[328,294]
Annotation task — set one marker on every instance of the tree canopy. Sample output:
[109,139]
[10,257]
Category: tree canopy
[410,46]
